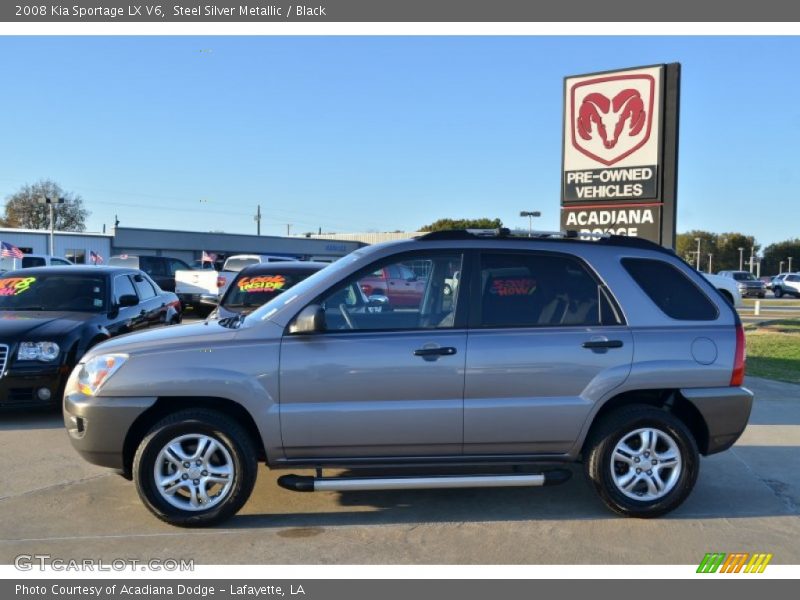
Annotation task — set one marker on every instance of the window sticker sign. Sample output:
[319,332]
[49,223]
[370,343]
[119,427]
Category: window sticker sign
[517,286]
[13,286]
[264,283]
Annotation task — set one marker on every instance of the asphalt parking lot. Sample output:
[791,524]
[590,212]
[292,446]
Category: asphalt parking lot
[746,499]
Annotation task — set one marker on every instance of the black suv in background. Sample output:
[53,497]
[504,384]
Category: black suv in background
[160,268]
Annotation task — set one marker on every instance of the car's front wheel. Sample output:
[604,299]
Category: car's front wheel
[643,461]
[778,292]
[195,468]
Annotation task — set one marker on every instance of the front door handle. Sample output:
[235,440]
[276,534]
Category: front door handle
[603,344]
[444,351]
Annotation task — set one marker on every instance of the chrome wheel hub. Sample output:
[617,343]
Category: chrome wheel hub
[646,464]
[194,472]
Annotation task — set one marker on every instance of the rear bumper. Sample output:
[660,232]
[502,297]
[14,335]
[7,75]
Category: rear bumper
[725,411]
[97,427]
[198,299]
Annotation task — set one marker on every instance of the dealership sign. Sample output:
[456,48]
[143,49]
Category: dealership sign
[620,150]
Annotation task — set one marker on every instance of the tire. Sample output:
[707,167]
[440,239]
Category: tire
[620,428]
[234,460]
[778,292]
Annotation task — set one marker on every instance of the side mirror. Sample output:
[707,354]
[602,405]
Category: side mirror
[310,320]
[128,300]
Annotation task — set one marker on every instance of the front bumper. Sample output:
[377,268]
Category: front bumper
[24,387]
[98,426]
[725,411]
[753,292]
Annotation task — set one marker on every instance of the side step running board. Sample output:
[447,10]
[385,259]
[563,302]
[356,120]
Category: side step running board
[307,483]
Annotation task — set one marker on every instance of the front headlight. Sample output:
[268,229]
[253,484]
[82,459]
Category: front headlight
[42,351]
[96,371]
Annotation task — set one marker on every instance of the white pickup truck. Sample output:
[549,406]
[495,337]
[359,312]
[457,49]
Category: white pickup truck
[201,289]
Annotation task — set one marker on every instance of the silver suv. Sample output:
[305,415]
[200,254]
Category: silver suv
[494,361]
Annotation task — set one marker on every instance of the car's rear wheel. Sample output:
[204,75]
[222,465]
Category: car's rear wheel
[195,468]
[643,461]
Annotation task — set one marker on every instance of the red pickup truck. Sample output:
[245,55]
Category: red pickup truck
[398,283]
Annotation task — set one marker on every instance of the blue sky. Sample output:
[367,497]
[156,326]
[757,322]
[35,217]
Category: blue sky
[378,133]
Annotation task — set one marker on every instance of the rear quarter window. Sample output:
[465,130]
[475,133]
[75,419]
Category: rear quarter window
[671,290]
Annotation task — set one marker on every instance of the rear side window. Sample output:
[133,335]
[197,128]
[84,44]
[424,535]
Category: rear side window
[540,290]
[144,288]
[671,290]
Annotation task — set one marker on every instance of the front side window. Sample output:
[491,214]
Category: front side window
[541,290]
[144,288]
[396,296]
[123,287]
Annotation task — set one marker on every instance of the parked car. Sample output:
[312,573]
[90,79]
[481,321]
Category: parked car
[50,317]
[786,284]
[613,352]
[160,268]
[747,283]
[257,284]
[727,286]
[8,263]
[201,290]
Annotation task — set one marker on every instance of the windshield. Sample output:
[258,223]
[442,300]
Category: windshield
[744,276]
[251,291]
[53,292]
[307,284]
[237,264]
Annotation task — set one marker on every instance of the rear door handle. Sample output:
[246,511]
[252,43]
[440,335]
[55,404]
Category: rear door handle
[603,344]
[444,351]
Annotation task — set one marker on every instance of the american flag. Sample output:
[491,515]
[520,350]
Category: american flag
[208,257]
[95,256]
[10,250]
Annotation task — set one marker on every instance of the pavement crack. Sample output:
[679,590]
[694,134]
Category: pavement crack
[53,486]
[780,490]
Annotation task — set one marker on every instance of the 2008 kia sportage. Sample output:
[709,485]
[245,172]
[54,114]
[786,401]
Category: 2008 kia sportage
[518,352]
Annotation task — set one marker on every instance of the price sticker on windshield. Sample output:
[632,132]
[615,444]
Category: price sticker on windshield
[13,286]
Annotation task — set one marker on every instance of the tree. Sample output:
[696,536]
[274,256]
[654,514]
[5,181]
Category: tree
[26,209]
[724,248]
[781,251]
[444,224]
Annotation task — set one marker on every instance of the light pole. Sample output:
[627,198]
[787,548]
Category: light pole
[780,268]
[741,259]
[51,202]
[698,253]
[752,256]
[790,264]
[709,262]
[530,215]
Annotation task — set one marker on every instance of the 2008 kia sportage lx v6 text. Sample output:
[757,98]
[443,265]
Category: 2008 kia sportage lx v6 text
[518,353]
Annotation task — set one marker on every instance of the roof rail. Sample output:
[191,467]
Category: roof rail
[567,236]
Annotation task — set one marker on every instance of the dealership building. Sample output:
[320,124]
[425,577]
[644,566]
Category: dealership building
[185,245]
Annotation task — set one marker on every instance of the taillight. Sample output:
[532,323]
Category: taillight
[221,281]
[737,376]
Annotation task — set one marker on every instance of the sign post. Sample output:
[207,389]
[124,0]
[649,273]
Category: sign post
[619,164]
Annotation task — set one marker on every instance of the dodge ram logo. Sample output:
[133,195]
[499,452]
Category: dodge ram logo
[611,116]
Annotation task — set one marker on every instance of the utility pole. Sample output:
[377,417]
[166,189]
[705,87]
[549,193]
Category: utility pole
[698,253]
[257,219]
[51,202]
[752,253]
[790,264]
[288,229]
[780,268]
[709,262]
[741,259]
